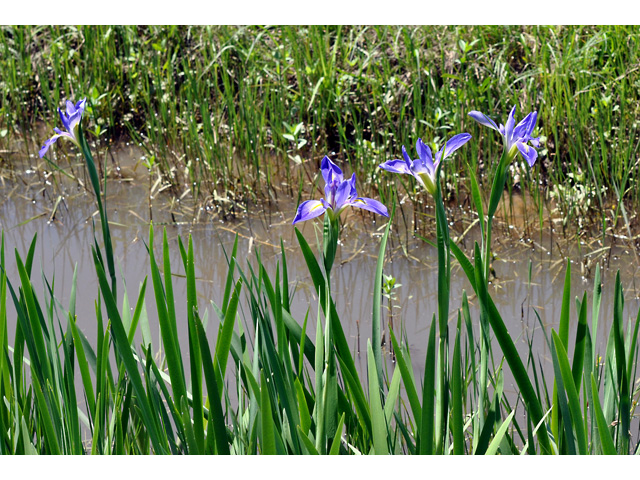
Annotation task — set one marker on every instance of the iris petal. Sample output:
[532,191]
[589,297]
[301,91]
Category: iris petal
[330,171]
[51,141]
[418,167]
[370,204]
[529,153]
[407,158]
[81,104]
[342,194]
[64,119]
[453,144]
[330,193]
[424,152]
[482,119]
[396,166]
[523,130]
[71,108]
[47,144]
[508,128]
[308,210]
[352,185]
[74,120]
[532,123]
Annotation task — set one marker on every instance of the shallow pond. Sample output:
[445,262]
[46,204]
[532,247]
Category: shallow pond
[65,234]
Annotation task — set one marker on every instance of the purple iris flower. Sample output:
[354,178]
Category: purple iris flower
[515,137]
[339,194]
[70,122]
[424,168]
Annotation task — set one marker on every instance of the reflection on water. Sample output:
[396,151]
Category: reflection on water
[64,242]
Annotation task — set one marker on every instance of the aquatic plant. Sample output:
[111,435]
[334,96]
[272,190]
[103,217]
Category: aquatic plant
[515,137]
[339,194]
[70,121]
[478,271]
[424,168]
[427,172]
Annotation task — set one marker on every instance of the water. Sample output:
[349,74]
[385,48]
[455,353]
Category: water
[65,239]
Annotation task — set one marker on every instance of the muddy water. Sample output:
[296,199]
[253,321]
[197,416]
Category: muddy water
[65,235]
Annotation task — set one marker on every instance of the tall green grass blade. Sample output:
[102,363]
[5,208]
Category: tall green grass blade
[335,445]
[595,313]
[444,280]
[579,351]
[377,298]
[28,264]
[170,305]
[195,357]
[561,361]
[50,436]
[497,187]
[621,370]
[319,369]
[267,437]
[392,395]
[305,417]
[477,200]
[95,183]
[28,447]
[428,396]
[83,365]
[72,295]
[302,340]
[216,417]
[33,327]
[564,336]
[229,282]
[633,349]
[378,420]
[487,428]
[223,343]
[563,329]
[311,448]
[606,442]
[492,449]
[137,312]
[330,242]
[339,339]
[360,403]
[456,396]
[404,365]
[285,279]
